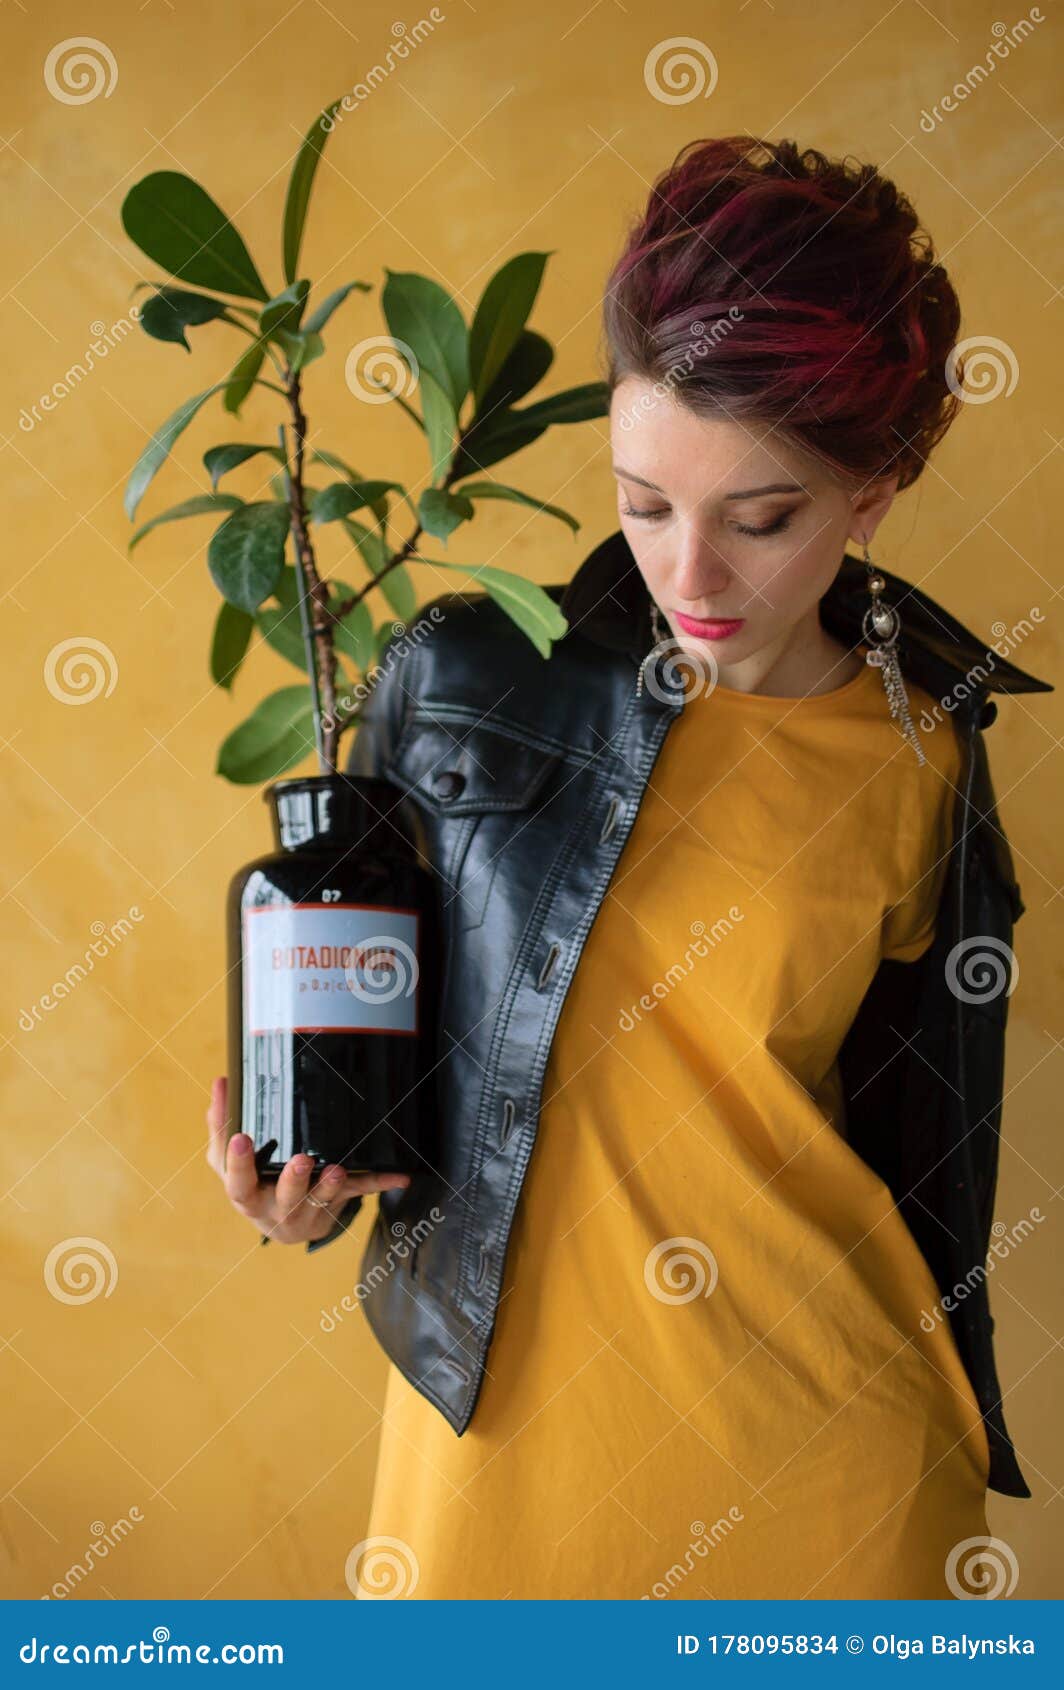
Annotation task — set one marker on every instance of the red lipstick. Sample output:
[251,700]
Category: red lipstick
[709,630]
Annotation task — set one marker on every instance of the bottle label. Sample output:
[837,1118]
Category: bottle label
[330,968]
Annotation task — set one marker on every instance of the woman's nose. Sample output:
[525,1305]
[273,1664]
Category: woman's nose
[699,574]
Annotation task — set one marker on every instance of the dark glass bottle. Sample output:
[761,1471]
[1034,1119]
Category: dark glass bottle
[333,946]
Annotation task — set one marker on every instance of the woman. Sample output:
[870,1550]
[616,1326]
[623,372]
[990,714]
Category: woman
[711,1372]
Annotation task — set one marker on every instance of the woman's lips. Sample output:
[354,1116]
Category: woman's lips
[709,630]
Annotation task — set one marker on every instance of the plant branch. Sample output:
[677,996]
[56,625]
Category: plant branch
[321,652]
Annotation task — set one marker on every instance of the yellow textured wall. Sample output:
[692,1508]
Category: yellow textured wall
[199,1391]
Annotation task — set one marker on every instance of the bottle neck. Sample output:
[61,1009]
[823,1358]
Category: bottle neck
[326,811]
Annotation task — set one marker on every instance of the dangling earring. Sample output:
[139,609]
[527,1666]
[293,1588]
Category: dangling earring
[661,634]
[881,627]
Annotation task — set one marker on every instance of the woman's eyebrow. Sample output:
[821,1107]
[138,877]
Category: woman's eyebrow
[744,493]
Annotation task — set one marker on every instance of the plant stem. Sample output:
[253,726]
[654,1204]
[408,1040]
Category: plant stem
[405,549]
[401,556]
[309,655]
[321,654]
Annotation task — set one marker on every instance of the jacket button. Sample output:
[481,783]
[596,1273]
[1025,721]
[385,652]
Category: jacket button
[448,783]
[988,713]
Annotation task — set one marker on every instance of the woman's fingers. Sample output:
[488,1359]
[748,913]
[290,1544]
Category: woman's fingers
[293,1183]
[242,1185]
[278,1206]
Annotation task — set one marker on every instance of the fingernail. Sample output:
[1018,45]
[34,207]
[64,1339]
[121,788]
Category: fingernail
[239,1144]
[333,1176]
[301,1164]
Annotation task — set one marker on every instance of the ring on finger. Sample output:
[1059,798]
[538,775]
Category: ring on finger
[316,1201]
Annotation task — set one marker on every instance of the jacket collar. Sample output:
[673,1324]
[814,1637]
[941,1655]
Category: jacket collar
[608,602]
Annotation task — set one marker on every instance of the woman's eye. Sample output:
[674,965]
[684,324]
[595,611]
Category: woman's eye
[648,516]
[776,527]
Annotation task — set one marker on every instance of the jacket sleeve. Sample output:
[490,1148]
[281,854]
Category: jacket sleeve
[381,717]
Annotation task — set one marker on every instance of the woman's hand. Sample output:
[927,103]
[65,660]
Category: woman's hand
[277,1206]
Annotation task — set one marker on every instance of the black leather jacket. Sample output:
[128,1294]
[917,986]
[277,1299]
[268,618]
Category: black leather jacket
[526,776]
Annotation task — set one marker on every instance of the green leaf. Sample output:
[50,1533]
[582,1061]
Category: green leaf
[379,507]
[199,505]
[173,220]
[232,635]
[242,376]
[381,638]
[441,426]
[170,311]
[397,587]
[440,512]
[300,182]
[159,446]
[278,733]
[501,316]
[285,309]
[319,317]
[331,461]
[354,635]
[576,404]
[219,460]
[506,432]
[280,624]
[340,498]
[246,554]
[526,366]
[422,316]
[282,628]
[499,436]
[495,490]
[533,610]
[300,348]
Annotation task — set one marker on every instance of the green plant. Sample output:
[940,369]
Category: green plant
[482,369]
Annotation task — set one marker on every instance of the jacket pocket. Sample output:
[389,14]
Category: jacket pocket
[462,769]
[471,780]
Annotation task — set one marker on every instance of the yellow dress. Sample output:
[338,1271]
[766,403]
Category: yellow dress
[708,1376]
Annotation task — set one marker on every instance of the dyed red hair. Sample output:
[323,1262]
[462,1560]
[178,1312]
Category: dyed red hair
[813,293]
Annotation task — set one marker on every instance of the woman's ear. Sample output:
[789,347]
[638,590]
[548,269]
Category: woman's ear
[870,506]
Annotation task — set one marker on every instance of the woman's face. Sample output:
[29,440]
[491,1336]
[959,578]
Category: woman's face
[728,526]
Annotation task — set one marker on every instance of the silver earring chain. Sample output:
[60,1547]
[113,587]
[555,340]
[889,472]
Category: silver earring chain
[881,626]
